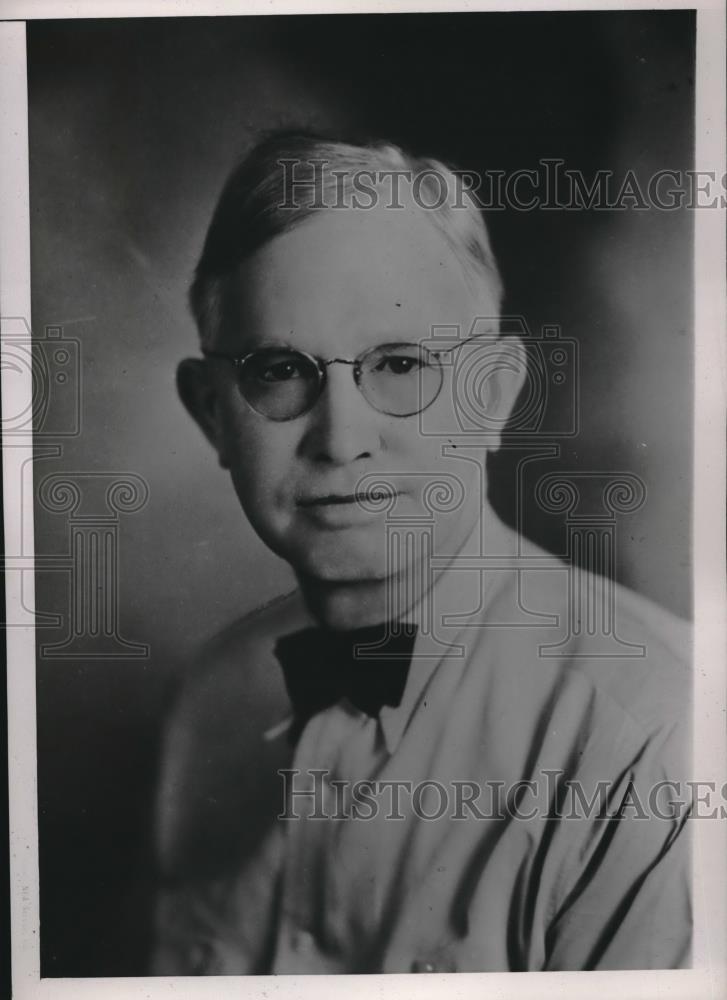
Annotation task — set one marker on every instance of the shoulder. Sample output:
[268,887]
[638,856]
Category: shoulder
[236,671]
[575,629]
[255,630]
[648,675]
[211,805]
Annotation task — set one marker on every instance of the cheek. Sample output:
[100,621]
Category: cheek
[260,460]
[444,479]
[418,451]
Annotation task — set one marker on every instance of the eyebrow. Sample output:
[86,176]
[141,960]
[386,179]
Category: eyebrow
[383,339]
[283,344]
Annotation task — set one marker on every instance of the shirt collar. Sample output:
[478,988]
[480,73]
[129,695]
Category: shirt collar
[461,589]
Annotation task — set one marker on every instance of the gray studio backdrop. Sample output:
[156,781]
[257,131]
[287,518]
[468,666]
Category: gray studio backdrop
[133,127]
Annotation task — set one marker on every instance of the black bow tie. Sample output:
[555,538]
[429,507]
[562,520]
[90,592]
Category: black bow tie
[321,667]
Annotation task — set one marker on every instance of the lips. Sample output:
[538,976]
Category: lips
[332,499]
[335,511]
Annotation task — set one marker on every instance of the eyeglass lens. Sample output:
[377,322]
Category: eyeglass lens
[398,379]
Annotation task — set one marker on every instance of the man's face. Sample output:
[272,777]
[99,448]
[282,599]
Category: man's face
[341,283]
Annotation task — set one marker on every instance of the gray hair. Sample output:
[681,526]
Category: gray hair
[289,176]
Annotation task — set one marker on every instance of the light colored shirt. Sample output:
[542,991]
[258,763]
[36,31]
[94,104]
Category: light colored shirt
[541,751]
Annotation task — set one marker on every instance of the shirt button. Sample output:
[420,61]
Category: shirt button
[423,965]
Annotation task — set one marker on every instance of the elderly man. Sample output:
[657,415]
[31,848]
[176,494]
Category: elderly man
[418,761]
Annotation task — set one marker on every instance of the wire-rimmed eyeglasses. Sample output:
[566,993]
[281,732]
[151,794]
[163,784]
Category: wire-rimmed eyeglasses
[399,379]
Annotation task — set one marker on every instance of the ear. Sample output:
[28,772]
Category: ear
[505,380]
[200,396]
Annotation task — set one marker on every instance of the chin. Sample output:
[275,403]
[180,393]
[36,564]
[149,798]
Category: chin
[347,587]
[342,566]
[346,605]
[353,555]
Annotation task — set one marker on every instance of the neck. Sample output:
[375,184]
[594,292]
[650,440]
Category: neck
[355,604]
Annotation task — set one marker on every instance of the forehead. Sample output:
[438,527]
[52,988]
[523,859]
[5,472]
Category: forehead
[348,279]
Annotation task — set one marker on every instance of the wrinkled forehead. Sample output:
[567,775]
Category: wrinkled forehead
[350,278]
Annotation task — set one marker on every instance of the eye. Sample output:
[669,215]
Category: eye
[279,367]
[399,364]
[280,371]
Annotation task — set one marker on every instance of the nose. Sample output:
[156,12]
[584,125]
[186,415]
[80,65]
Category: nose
[343,427]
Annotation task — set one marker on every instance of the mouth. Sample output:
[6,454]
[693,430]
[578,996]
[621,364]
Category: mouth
[336,511]
[339,499]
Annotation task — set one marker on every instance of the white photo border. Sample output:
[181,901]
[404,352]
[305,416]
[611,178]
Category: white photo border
[708,977]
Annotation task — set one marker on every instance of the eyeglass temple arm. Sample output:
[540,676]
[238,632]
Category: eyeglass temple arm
[467,340]
[234,358]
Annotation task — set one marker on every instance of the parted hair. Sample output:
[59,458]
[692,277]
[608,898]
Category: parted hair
[288,176]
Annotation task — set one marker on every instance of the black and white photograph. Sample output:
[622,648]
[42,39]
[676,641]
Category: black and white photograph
[363,453]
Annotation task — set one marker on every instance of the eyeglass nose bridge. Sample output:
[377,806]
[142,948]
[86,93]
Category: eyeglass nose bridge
[323,365]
